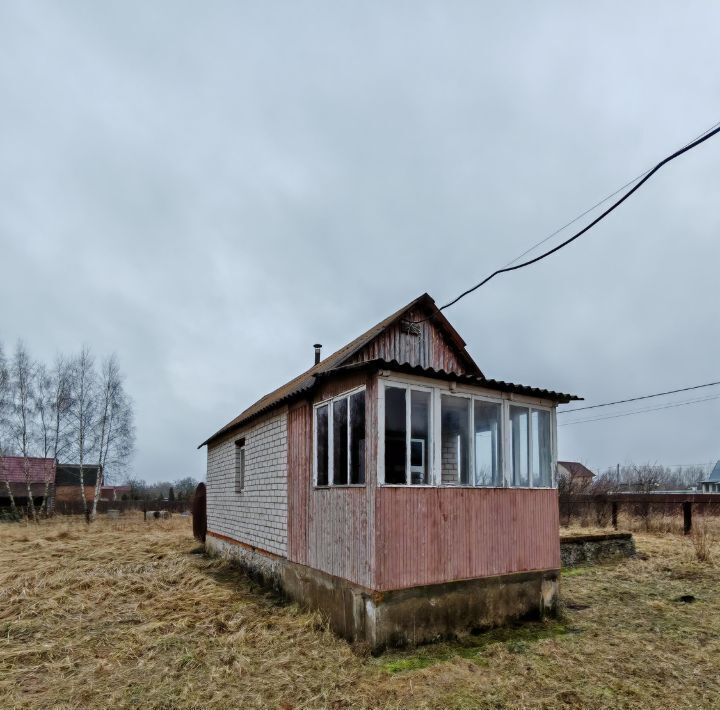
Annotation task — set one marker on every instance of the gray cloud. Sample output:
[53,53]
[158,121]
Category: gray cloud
[208,190]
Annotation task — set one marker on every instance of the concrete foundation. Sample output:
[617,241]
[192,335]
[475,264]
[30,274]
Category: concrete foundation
[405,616]
[588,549]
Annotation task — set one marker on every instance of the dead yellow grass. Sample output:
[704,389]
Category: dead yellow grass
[124,614]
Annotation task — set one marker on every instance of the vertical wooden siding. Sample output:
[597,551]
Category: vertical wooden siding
[429,349]
[328,527]
[434,535]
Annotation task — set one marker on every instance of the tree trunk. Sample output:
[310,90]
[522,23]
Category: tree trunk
[13,507]
[31,502]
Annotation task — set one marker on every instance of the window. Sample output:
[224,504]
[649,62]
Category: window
[541,448]
[455,418]
[519,445]
[488,458]
[239,465]
[531,447]
[430,435]
[408,423]
[340,441]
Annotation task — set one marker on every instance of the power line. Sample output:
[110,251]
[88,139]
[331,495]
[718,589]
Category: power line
[646,176]
[635,399]
[597,204]
[642,411]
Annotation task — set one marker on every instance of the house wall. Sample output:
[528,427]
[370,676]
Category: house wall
[428,349]
[330,529]
[257,516]
[434,535]
[72,493]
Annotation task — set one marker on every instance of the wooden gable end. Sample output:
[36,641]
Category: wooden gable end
[413,340]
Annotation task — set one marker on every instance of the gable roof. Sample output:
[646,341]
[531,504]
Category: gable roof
[576,469]
[715,473]
[345,359]
[12,469]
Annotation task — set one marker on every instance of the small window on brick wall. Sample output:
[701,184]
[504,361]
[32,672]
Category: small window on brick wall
[239,465]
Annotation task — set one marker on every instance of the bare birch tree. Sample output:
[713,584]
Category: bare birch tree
[82,414]
[114,425]
[52,402]
[4,404]
[22,372]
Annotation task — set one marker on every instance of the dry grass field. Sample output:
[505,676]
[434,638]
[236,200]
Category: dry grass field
[128,614]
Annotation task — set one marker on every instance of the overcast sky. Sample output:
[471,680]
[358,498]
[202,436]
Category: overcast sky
[207,189]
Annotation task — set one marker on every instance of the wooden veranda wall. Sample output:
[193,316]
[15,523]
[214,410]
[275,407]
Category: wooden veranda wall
[330,529]
[434,535]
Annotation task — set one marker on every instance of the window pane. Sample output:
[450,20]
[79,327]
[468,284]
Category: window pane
[455,420]
[519,445]
[395,435]
[542,445]
[357,438]
[419,437]
[488,465]
[321,444]
[340,442]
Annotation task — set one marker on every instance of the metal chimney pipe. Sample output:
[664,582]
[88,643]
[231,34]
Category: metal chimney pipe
[318,348]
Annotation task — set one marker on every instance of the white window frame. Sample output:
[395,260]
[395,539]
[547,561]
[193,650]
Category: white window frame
[408,387]
[530,446]
[505,434]
[331,440]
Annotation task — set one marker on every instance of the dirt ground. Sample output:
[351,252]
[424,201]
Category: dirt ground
[128,614]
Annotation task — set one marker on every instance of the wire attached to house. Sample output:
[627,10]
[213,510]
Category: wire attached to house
[636,399]
[640,182]
[643,411]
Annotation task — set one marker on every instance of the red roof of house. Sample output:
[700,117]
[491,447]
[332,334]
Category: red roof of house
[12,469]
[577,470]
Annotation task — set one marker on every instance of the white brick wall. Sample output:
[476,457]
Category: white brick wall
[258,515]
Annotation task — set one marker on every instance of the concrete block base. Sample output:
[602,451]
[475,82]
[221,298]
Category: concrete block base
[405,616]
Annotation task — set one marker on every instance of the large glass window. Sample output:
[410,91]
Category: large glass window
[340,441]
[541,448]
[357,437]
[488,443]
[432,436]
[519,445]
[455,433]
[395,435]
[322,450]
[420,410]
[408,438]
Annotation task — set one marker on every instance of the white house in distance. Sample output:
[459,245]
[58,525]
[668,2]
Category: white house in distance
[395,487]
[712,484]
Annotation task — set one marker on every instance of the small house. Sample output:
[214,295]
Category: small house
[68,495]
[712,483]
[15,471]
[395,487]
[576,474]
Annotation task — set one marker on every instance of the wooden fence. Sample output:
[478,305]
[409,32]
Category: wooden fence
[603,510]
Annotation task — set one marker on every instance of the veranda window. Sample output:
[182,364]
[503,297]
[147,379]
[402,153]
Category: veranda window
[531,447]
[407,435]
[340,440]
[479,440]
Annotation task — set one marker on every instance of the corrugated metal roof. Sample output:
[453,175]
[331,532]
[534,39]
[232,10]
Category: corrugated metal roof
[577,469]
[487,383]
[12,469]
[332,365]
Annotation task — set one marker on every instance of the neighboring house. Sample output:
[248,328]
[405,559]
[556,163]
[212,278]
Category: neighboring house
[13,470]
[578,475]
[712,484]
[114,493]
[67,482]
[394,487]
